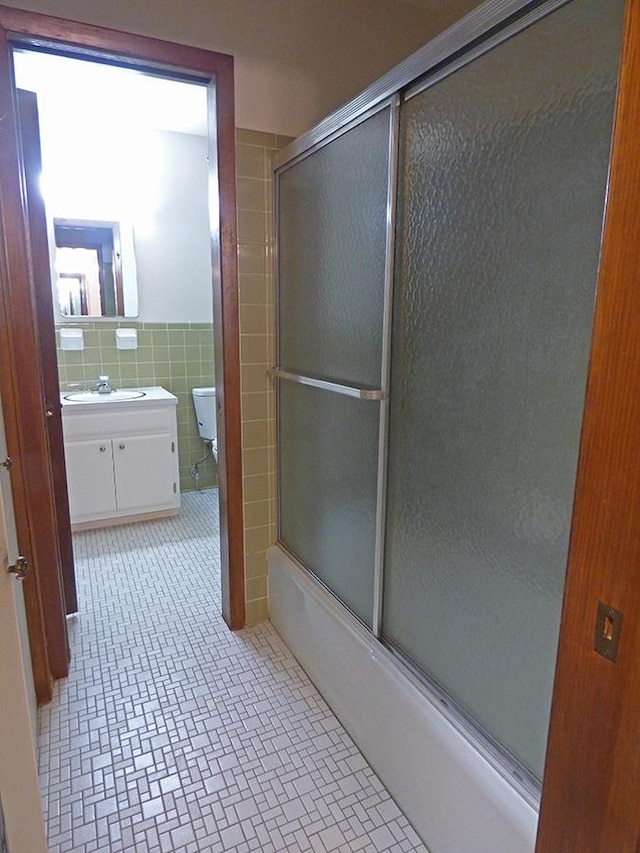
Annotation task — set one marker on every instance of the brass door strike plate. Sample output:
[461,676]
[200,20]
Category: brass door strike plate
[607,633]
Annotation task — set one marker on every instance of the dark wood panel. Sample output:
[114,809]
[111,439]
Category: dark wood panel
[25,386]
[227,354]
[591,792]
[42,678]
[120,46]
[40,262]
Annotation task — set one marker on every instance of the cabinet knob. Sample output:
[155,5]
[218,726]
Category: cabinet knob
[121,446]
[102,449]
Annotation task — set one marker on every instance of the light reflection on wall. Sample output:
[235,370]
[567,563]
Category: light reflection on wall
[92,175]
[126,147]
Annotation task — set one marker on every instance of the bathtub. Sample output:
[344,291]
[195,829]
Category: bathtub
[452,795]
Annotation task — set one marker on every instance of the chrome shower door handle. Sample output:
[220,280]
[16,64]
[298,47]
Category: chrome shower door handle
[325,385]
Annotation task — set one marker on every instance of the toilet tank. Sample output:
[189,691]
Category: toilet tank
[204,402]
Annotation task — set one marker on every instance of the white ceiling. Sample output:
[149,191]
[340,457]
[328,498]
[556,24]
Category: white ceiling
[80,93]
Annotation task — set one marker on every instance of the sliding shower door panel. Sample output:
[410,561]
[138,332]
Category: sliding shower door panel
[328,470]
[503,174]
[332,255]
[334,274]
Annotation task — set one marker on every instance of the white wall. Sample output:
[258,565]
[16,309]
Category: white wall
[295,60]
[156,186]
[173,245]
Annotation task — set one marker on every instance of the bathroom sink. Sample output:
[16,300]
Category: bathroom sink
[111,397]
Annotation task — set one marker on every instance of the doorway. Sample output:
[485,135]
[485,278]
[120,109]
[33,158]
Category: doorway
[125,176]
[22,380]
[126,220]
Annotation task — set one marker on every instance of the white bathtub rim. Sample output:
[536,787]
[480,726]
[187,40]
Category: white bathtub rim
[448,738]
[402,674]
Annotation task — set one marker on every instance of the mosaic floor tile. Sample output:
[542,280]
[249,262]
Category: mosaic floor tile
[174,734]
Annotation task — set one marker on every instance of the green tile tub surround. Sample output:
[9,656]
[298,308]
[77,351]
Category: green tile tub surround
[178,356]
[255,151]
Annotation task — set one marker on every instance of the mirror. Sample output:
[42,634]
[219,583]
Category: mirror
[88,268]
[94,275]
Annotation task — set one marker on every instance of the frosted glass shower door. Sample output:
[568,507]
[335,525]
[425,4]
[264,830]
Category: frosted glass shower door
[333,267]
[503,170]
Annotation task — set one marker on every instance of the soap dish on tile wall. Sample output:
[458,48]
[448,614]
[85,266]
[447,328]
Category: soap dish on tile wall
[71,339]
[127,338]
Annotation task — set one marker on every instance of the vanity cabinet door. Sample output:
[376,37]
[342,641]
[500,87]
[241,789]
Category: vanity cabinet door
[144,469]
[90,478]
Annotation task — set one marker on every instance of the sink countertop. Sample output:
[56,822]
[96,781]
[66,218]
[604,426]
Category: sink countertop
[152,395]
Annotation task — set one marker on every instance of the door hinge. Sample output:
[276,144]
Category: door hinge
[173,447]
[20,568]
[174,489]
[7,463]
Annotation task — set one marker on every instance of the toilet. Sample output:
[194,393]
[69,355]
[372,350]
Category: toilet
[204,402]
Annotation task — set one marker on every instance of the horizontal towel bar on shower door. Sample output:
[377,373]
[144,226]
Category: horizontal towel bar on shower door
[348,390]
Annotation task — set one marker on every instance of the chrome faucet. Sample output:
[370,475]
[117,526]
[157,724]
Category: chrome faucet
[102,385]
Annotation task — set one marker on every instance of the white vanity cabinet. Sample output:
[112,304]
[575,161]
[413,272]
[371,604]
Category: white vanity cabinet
[121,458]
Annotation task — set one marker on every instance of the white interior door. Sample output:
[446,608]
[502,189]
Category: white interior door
[21,818]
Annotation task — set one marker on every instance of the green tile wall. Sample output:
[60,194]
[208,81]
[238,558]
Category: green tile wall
[178,356]
[254,174]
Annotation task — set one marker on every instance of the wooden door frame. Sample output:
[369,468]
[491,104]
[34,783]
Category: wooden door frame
[19,340]
[42,295]
[22,391]
[591,790]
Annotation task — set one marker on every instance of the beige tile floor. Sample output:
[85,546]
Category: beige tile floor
[174,734]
